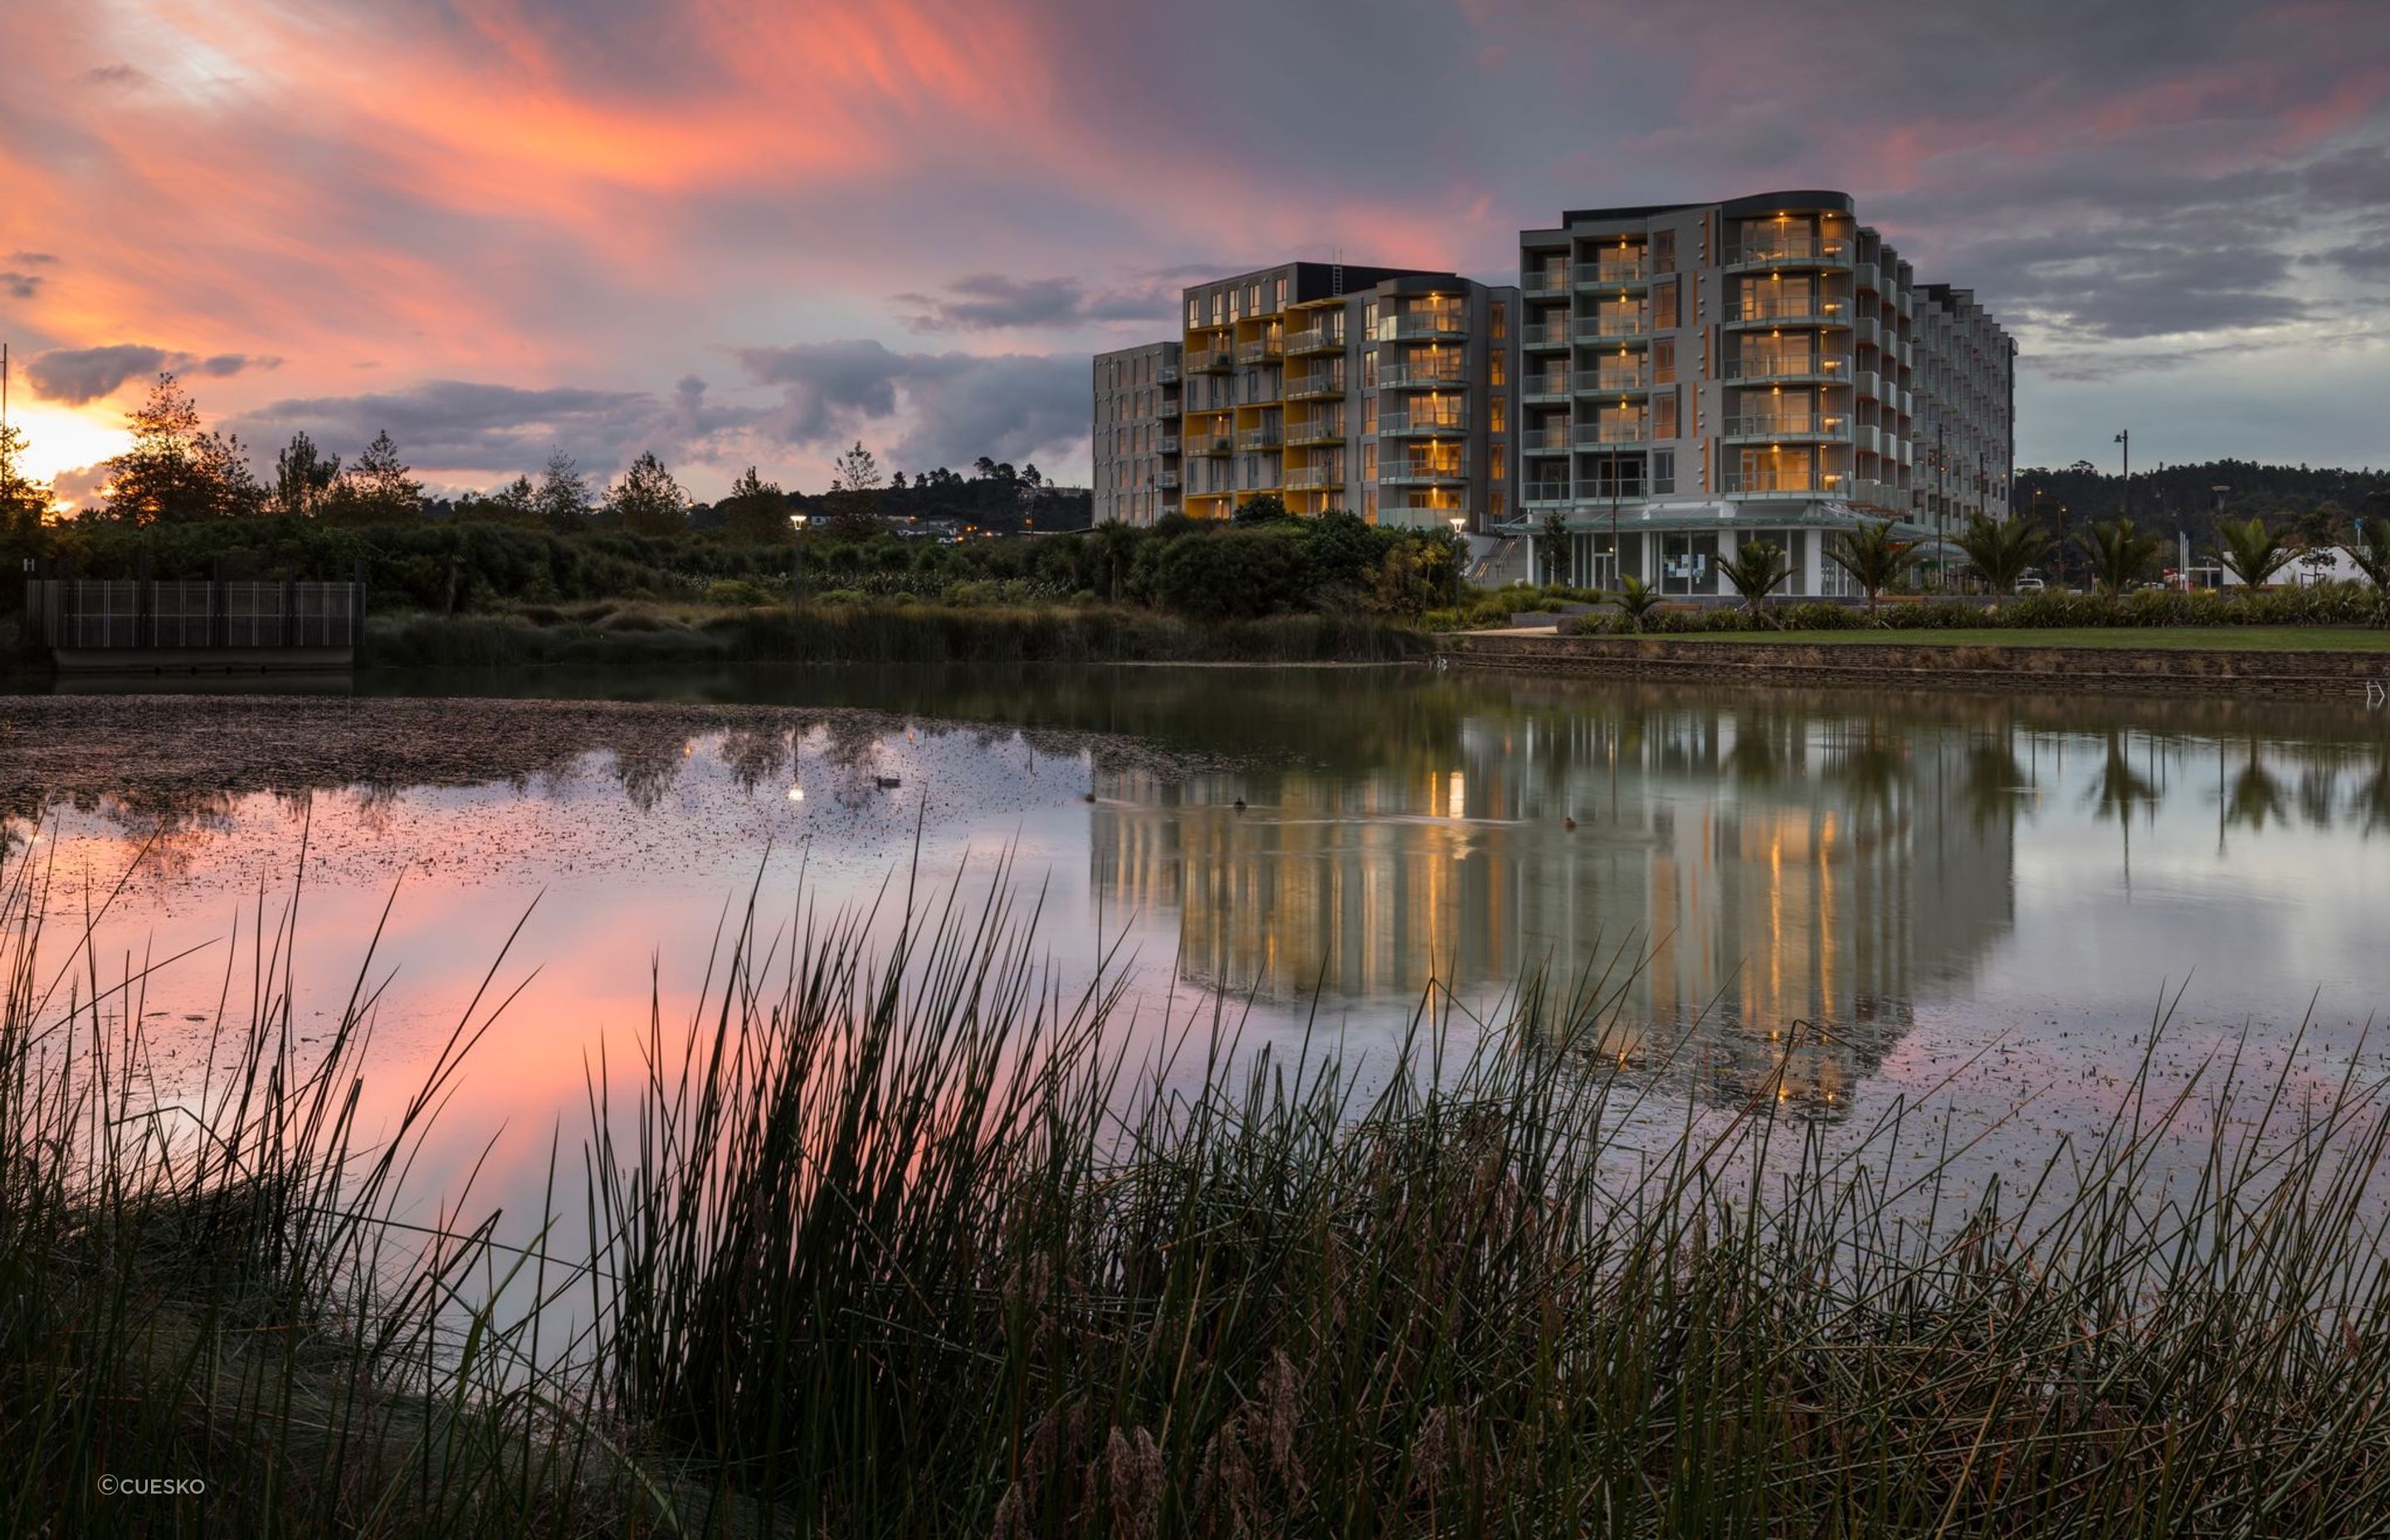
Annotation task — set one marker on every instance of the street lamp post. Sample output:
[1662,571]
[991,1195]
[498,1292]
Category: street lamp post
[2124,437]
[797,561]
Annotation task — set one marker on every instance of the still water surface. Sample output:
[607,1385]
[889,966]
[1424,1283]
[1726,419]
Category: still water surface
[1975,902]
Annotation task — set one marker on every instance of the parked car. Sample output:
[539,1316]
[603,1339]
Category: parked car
[2030,585]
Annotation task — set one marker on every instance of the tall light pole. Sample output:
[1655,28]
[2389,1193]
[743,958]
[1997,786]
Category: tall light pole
[2124,437]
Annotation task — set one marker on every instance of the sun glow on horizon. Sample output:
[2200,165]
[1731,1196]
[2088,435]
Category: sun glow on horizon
[60,439]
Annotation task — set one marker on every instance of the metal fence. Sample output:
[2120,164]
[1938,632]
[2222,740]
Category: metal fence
[82,613]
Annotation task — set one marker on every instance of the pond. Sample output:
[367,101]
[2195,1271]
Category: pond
[1979,904]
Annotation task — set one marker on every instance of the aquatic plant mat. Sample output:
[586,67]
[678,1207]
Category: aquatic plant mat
[896,1235]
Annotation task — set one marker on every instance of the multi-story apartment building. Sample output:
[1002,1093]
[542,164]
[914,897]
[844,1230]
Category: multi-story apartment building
[1966,408]
[1702,374]
[1382,391]
[1137,434]
[1664,381]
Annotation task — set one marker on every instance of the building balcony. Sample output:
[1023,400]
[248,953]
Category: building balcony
[1868,439]
[1315,432]
[1613,435]
[1423,472]
[1315,340]
[1259,349]
[1166,375]
[1790,311]
[1785,429]
[1167,411]
[1444,375]
[1207,361]
[1614,325]
[1165,478]
[1544,390]
[1549,284]
[1867,275]
[1551,439]
[1882,495]
[1166,444]
[1830,368]
[1611,272]
[1612,382]
[1786,483]
[1421,424]
[1545,334]
[1791,250]
[1870,383]
[1867,332]
[1313,387]
[1309,477]
[1432,323]
[1253,439]
[1209,443]
[1552,494]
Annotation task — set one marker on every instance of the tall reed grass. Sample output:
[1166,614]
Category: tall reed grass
[920,1234]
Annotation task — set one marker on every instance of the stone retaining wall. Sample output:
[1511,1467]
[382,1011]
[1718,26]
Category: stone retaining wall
[2358,677]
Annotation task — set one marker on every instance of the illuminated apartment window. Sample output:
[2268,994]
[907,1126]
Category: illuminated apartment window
[1368,459]
[1369,317]
[1495,502]
[1281,295]
[1498,414]
[1368,368]
[1369,504]
[1664,306]
[1370,413]
[1219,306]
[1663,415]
[1498,368]
[1664,361]
[1498,320]
[1663,250]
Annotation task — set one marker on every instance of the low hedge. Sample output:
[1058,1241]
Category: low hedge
[2325,604]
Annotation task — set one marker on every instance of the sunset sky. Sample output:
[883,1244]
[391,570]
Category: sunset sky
[730,231]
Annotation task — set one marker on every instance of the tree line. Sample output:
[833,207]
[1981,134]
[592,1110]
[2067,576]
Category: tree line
[176,471]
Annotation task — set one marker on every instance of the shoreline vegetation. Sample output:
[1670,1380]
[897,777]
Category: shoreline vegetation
[890,1238]
[875,631]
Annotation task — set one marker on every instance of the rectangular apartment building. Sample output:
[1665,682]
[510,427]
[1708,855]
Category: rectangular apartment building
[1966,409]
[1382,391]
[1696,375]
[1137,434]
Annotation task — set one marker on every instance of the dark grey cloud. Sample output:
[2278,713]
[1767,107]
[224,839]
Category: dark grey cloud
[951,407]
[462,424]
[33,259]
[990,302]
[123,75]
[19,286]
[79,375]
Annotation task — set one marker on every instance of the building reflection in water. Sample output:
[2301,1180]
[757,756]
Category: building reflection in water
[1758,888]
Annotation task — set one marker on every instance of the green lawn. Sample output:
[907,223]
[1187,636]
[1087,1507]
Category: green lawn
[2217,638]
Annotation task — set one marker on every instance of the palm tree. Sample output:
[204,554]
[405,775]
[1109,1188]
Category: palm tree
[2119,554]
[2001,549]
[1637,599]
[1115,543]
[2252,552]
[1758,569]
[2368,546]
[1874,557]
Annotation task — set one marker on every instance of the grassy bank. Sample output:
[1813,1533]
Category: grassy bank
[2188,638]
[889,1240]
[636,634]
